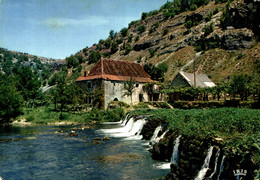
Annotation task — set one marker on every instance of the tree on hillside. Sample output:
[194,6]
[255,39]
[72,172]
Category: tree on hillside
[156,73]
[129,88]
[27,83]
[10,100]
[239,84]
[72,61]
[94,56]
[124,32]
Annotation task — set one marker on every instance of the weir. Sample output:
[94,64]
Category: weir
[205,166]
[132,128]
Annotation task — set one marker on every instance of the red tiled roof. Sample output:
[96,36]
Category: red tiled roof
[117,70]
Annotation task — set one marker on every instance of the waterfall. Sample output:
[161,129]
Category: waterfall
[205,166]
[175,152]
[154,138]
[126,128]
[162,135]
[216,164]
[221,167]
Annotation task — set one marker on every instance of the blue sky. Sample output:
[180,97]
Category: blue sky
[59,28]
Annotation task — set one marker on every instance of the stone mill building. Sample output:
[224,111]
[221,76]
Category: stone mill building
[108,77]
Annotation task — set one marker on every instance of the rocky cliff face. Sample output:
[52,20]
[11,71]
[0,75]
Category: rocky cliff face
[225,27]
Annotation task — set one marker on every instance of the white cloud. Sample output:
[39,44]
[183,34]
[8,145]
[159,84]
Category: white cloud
[88,21]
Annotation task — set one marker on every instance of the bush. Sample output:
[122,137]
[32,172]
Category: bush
[165,31]
[141,29]
[124,32]
[208,29]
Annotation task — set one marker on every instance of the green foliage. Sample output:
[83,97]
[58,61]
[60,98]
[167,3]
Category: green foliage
[209,16]
[208,29]
[72,61]
[152,52]
[27,83]
[94,56]
[165,31]
[113,115]
[107,43]
[156,73]
[141,29]
[141,105]
[124,32]
[64,94]
[132,23]
[57,78]
[45,115]
[130,38]
[10,100]
[128,48]
[114,47]
[240,85]
[112,34]
[129,87]
[144,15]
[188,24]
[232,124]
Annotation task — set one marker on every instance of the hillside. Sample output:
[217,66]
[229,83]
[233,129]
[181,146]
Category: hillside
[43,68]
[226,34]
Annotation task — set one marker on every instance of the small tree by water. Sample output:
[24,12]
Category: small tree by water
[129,88]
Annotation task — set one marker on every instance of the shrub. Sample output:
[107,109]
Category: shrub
[144,15]
[165,31]
[208,29]
[124,32]
[141,29]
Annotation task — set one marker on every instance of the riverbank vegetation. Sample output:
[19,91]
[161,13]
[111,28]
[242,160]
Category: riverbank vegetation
[237,127]
[48,115]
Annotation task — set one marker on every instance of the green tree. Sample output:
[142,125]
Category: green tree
[114,47]
[10,100]
[124,32]
[141,29]
[112,34]
[129,88]
[239,85]
[72,61]
[94,56]
[27,83]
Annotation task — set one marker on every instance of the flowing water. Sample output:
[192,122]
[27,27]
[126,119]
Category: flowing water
[175,152]
[205,166]
[47,152]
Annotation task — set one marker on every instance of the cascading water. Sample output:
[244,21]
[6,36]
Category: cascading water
[162,135]
[154,138]
[126,128]
[134,133]
[221,168]
[205,166]
[132,128]
[175,152]
[216,164]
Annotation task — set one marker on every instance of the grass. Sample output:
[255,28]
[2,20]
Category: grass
[45,115]
[237,126]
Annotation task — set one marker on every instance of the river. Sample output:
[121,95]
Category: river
[47,152]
